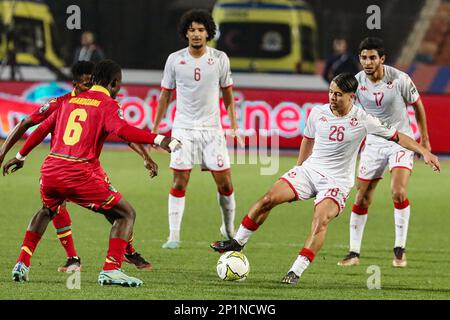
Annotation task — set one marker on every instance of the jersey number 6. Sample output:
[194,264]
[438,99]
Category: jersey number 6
[197,74]
[73,129]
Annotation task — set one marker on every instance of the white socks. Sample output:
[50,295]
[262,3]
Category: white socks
[242,235]
[176,210]
[227,205]
[300,265]
[358,221]
[401,217]
[357,224]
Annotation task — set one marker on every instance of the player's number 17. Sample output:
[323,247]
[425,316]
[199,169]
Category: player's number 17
[73,130]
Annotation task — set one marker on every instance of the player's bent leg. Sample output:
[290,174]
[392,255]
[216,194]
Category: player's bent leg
[124,216]
[176,203]
[33,235]
[358,219]
[134,257]
[324,212]
[279,193]
[63,226]
[399,183]
[131,255]
[41,219]
[227,202]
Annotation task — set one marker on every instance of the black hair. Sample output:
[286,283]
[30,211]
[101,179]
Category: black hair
[199,16]
[372,43]
[105,71]
[346,82]
[80,68]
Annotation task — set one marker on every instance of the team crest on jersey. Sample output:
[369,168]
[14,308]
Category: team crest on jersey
[46,106]
[323,119]
[387,125]
[120,113]
[210,61]
[182,62]
[390,85]
[353,122]
[363,88]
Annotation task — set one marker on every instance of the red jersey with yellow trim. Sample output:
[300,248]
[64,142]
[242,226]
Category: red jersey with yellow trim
[80,129]
[46,110]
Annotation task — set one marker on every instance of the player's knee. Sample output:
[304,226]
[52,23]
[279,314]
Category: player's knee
[363,199]
[225,188]
[179,185]
[268,202]
[399,194]
[46,212]
[130,214]
[321,222]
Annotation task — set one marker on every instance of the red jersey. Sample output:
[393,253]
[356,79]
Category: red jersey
[79,129]
[46,110]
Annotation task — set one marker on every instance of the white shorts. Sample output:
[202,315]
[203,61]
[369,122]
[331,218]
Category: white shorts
[308,183]
[376,157]
[208,148]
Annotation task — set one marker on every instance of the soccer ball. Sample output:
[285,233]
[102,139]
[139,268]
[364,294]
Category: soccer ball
[233,266]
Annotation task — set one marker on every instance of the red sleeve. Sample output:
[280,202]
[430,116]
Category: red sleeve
[113,117]
[38,135]
[46,110]
[132,134]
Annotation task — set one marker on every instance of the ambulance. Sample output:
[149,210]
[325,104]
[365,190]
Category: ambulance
[267,35]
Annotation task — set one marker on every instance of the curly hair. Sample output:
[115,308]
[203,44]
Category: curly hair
[199,16]
[372,43]
[80,68]
[105,71]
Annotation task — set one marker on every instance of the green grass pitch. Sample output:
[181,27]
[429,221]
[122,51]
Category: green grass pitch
[189,273]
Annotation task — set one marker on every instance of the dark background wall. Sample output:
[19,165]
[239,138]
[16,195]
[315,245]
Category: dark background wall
[347,18]
[141,33]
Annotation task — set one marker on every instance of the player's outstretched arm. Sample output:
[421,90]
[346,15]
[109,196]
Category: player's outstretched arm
[421,118]
[133,134]
[32,141]
[14,136]
[149,164]
[408,143]
[305,150]
[163,103]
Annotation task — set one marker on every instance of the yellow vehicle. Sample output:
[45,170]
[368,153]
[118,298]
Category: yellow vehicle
[267,35]
[32,32]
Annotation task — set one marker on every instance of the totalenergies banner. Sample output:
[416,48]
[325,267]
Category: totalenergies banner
[259,111]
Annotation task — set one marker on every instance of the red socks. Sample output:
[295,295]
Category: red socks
[115,254]
[29,244]
[63,227]
[130,249]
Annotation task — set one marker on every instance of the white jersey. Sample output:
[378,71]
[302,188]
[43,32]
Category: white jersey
[337,141]
[197,82]
[388,99]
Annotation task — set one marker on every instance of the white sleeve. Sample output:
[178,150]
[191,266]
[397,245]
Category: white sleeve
[168,80]
[376,127]
[225,71]
[408,90]
[310,128]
